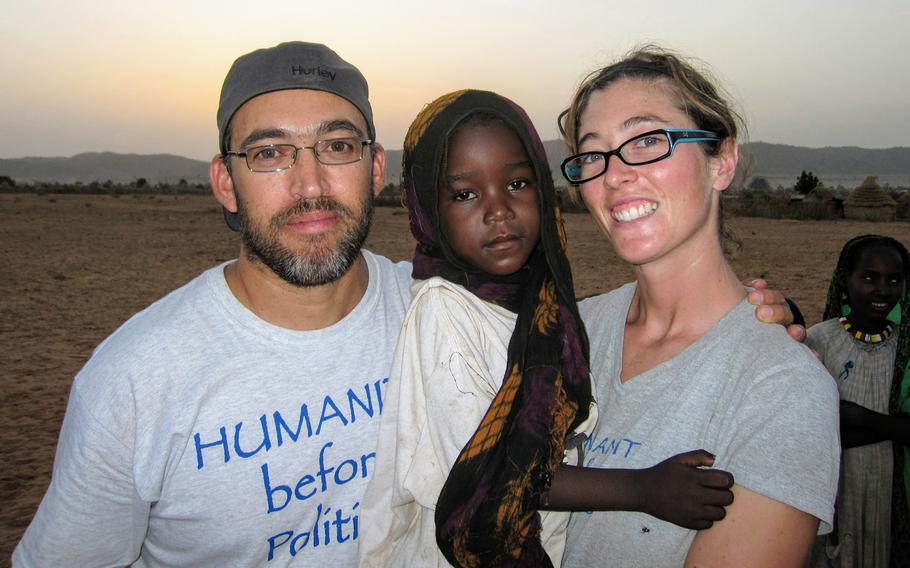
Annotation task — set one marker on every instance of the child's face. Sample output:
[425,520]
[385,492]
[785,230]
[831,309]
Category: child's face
[874,286]
[488,204]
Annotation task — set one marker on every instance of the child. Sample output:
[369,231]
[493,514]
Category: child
[867,355]
[493,337]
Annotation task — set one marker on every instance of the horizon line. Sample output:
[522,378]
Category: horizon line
[401,149]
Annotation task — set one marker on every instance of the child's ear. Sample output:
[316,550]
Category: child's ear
[844,296]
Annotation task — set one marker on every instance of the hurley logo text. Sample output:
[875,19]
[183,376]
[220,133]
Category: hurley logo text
[301,70]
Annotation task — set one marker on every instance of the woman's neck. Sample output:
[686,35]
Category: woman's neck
[694,284]
[675,304]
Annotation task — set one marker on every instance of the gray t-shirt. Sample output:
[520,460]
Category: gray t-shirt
[201,435]
[744,391]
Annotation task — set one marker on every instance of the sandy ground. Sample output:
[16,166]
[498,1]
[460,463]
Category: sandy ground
[75,267]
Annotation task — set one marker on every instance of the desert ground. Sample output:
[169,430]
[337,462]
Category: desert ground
[74,267]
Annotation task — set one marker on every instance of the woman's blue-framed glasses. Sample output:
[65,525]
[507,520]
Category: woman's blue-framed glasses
[646,148]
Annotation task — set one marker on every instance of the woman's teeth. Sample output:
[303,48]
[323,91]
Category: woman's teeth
[633,213]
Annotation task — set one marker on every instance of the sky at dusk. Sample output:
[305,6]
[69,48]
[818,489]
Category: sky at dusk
[144,77]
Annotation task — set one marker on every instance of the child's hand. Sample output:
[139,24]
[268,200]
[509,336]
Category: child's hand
[772,307]
[679,491]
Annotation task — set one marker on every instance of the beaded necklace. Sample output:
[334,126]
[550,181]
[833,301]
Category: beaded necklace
[870,338]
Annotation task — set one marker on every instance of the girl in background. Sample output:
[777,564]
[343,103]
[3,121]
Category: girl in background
[867,355]
[493,337]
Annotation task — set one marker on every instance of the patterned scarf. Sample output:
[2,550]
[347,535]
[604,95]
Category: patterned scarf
[486,514]
[899,401]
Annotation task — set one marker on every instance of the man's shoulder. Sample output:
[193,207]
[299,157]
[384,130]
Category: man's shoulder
[140,360]
[394,278]
[400,270]
[172,319]
[179,303]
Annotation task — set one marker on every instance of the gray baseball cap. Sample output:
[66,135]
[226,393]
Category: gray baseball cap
[291,65]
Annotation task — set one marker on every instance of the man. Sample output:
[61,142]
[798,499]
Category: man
[234,422]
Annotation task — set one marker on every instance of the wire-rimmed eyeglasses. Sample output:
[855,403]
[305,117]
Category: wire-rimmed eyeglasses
[278,157]
[645,148]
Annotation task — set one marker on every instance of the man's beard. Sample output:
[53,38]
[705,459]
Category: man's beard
[317,263]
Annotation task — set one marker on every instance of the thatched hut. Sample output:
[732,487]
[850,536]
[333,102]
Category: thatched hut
[903,206]
[822,203]
[869,202]
[820,193]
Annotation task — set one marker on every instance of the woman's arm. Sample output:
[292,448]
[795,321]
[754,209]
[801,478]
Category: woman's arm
[676,490]
[757,531]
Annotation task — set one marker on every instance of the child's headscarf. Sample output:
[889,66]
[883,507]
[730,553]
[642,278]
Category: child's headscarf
[487,511]
[899,401]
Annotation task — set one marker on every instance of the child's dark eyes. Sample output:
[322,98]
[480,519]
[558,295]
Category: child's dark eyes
[512,186]
[518,184]
[462,195]
[869,278]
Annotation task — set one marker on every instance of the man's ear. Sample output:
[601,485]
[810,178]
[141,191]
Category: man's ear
[378,172]
[725,164]
[222,184]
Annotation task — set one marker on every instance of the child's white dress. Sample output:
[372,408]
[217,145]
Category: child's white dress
[449,364]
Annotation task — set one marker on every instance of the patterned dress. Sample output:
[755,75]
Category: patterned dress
[863,374]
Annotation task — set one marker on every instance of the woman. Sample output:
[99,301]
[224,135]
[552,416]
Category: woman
[679,359]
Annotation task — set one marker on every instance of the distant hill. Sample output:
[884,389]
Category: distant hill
[103,166]
[779,163]
[844,165]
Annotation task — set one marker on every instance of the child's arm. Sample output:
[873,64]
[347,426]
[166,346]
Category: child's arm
[676,490]
[861,426]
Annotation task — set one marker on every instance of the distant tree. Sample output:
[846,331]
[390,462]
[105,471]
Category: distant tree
[759,184]
[141,182]
[182,183]
[7,181]
[805,183]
